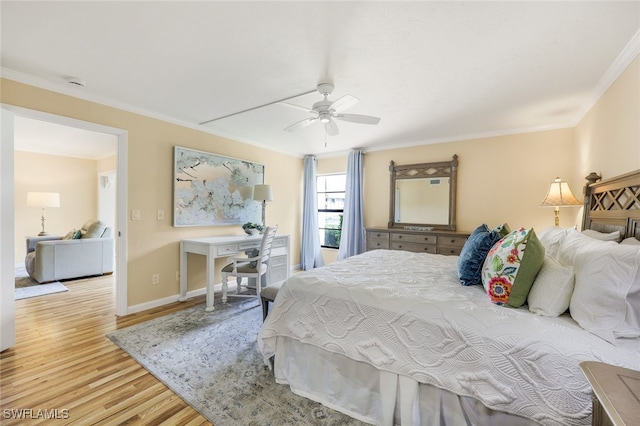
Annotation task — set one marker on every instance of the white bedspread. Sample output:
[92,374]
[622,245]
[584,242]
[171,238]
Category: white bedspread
[408,314]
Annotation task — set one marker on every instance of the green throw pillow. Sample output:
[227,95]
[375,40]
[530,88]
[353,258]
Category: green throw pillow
[503,229]
[511,267]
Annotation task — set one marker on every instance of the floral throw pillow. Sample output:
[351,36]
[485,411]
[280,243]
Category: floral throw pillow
[511,267]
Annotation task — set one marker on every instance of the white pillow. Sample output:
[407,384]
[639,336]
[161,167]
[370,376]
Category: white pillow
[612,236]
[606,275]
[551,238]
[633,298]
[551,291]
[631,241]
[573,242]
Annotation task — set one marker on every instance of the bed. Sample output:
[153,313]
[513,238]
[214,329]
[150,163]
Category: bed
[392,337]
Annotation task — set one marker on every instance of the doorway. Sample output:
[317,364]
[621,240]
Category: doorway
[119,190]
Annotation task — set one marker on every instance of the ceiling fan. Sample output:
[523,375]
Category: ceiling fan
[327,111]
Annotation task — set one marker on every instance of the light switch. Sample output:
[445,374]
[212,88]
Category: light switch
[160,214]
[135,214]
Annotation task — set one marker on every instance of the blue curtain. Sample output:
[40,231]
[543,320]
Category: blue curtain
[352,239]
[311,253]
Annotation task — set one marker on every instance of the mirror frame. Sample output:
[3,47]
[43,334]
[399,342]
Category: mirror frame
[439,169]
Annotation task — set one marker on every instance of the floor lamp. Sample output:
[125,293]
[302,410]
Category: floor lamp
[43,199]
[559,195]
[263,193]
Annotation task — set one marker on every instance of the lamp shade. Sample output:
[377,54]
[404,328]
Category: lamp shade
[262,193]
[559,194]
[43,199]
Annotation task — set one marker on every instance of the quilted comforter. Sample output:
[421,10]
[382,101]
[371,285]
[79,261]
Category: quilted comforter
[407,313]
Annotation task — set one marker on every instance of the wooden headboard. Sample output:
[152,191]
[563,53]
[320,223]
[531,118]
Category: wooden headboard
[613,204]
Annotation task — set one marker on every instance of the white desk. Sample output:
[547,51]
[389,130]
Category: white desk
[225,246]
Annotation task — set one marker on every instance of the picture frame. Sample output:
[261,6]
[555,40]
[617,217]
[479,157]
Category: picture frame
[214,190]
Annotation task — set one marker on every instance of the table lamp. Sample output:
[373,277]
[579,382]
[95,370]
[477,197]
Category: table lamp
[43,199]
[263,193]
[559,195]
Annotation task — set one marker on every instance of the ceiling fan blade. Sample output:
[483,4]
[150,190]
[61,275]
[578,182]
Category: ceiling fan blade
[331,127]
[358,118]
[300,124]
[344,102]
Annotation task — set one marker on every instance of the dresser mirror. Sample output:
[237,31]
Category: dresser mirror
[423,196]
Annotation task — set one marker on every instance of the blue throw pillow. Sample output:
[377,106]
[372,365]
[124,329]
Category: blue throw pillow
[474,253]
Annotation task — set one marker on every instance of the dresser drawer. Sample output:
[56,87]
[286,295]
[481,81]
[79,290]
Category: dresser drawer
[278,274]
[226,250]
[277,261]
[451,241]
[279,242]
[449,250]
[377,240]
[415,247]
[414,238]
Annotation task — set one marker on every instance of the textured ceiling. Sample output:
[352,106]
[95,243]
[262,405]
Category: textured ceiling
[433,71]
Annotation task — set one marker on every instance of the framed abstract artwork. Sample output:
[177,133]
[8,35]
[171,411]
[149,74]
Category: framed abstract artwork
[210,189]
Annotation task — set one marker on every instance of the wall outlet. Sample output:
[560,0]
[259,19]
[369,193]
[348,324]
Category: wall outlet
[155,279]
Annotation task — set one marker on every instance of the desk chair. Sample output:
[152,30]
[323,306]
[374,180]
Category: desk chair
[249,267]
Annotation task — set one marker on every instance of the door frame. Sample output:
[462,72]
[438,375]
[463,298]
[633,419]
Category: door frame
[120,233]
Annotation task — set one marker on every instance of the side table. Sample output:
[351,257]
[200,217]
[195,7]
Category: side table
[616,393]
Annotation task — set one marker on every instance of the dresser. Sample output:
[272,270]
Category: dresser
[435,242]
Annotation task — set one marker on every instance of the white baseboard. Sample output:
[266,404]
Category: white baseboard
[169,299]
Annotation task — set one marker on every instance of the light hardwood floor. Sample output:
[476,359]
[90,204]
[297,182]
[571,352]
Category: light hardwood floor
[63,363]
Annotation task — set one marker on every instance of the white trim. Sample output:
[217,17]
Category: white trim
[628,54]
[169,299]
[7,250]
[120,234]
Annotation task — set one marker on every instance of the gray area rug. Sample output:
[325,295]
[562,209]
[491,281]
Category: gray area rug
[26,287]
[211,360]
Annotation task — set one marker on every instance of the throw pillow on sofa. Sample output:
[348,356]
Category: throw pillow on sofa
[93,229]
[511,267]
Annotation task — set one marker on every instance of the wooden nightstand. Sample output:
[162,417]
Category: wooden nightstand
[616,393]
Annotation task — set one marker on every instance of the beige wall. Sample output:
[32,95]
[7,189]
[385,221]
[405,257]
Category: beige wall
[73,178]
[107,164]
[153,246]
[500,179]
[608,137]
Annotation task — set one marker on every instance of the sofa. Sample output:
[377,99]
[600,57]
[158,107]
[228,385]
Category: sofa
[85,252]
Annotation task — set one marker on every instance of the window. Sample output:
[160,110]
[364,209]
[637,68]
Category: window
[330,208]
